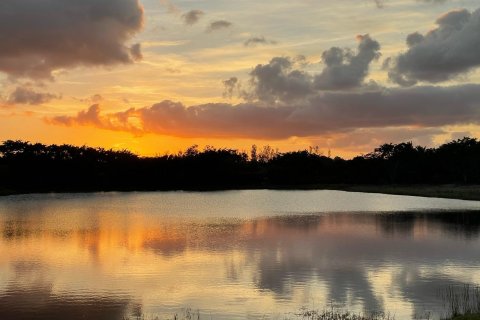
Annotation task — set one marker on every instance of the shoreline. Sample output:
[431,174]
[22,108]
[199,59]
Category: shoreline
[457,192]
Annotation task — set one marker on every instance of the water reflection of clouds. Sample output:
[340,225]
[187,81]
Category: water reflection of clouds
[404,245]
[337,257]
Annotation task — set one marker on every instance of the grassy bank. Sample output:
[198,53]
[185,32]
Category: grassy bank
[302,314]
[460,303]
[308,314]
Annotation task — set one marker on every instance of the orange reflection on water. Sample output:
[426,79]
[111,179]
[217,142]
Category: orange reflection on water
[140,259]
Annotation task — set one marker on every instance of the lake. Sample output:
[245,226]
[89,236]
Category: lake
[253,254]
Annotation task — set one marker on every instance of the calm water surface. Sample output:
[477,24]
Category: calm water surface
[232,255]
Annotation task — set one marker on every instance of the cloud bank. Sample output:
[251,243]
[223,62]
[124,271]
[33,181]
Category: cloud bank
[282,80]
[426,106]
[449,50]
[283,100]
[40,36]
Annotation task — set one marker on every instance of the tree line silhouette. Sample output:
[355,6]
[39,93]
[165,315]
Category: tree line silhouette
[35,167]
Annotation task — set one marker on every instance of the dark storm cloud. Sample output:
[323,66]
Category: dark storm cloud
[279,81]
[319,114]
[38,37]
[447,51]
[255,41]
[24,95]
[192,17]
[218,25]
[345,69]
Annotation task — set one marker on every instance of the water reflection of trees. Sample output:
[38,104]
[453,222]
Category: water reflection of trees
[456,224]
[30,295]
[41,303]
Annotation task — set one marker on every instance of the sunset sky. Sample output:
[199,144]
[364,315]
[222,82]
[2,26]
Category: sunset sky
[156,76]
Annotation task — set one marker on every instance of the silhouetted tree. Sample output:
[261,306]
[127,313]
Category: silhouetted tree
[26,167]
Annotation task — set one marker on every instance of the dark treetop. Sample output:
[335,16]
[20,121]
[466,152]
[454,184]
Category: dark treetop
[27,167]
